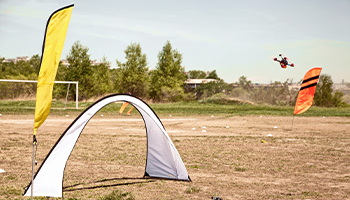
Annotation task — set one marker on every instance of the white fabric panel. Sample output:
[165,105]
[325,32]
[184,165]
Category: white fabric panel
[158,152]
[163,160]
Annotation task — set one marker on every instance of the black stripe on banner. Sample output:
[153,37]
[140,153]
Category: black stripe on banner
[311,85]
[310,79]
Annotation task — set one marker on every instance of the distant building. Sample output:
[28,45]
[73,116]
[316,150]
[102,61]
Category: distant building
[24,58]
[65,62]
[8,60]
[339,86]
[193,83]
[94,62]
[294,87]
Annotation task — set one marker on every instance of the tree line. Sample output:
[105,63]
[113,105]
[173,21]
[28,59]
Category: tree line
[166,83]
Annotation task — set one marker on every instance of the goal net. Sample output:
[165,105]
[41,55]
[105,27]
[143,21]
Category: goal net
[15,90]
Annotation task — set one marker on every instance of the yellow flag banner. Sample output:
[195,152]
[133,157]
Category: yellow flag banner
[55,36]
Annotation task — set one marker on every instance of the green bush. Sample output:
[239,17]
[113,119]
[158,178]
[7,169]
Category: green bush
[175,95]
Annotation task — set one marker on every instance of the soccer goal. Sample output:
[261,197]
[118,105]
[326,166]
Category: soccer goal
[64,82]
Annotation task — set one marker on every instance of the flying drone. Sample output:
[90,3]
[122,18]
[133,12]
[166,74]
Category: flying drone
[283,62]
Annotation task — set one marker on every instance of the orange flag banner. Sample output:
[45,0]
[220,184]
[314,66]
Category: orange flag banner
[121,110]
[130,110]
[307,91]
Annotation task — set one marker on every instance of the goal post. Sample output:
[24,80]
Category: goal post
[66,82]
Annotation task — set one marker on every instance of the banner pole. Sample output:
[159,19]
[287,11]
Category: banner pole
[32,186]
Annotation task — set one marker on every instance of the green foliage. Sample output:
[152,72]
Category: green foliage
[196,74]
[94,80]
[221,99]
[176,94]
[115,78]
[276,93]
[133,74]
[347,98]
[206,90]
[240,93]
[101,78]
[118,195]
[244,83]
[324,96]
[35,62]
[164,84]
[11,70]
[80,70]
[169,73]
[213,75]
[60,90]
[178,108]
[11,90]
[337,100]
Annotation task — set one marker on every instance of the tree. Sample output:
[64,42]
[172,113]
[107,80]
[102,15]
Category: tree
[133,73]
[115,78]
[21,70]
[213,75]
[324,93]
[196,74]
[244,83]
[35,62]
[80,69]
[209,89]
[101,78]
[169,76]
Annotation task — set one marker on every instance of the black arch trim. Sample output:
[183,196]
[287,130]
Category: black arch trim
[76,119]
[305,87]
[310,79]
[47,24]
[171,179]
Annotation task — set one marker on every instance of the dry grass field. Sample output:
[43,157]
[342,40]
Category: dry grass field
[309,162]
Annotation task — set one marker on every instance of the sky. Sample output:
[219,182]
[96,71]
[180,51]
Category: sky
[235,38]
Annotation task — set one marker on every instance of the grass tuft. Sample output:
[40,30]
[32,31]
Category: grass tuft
[192,189]
[118,195]
[240,169]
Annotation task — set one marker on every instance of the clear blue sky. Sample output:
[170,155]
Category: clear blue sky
[233,37]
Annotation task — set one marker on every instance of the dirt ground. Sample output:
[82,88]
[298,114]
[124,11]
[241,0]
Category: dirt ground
[309,162]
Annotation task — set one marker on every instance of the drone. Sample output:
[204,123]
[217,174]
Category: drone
[283,62]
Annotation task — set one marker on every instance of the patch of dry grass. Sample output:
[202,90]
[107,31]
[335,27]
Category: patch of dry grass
[310,162]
